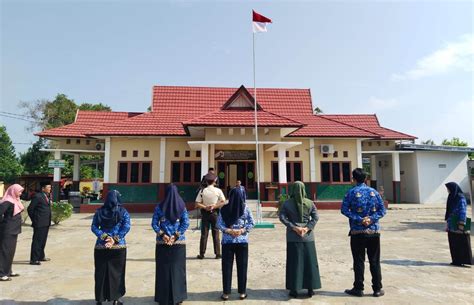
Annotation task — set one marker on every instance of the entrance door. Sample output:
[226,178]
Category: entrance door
[232,176]
[231,171]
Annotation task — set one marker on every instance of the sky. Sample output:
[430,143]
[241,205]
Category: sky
[410,62]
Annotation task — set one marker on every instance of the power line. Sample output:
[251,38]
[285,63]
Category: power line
[16,114]
[17,118]
[15,143]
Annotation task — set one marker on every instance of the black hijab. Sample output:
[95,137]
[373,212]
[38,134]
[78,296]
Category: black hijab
[173,205]
[111,212]
[455,193]
[235,208]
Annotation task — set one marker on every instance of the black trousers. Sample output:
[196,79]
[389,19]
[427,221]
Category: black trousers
[241,253]
[7,252]
[40,236]
[359,244]
[206,220]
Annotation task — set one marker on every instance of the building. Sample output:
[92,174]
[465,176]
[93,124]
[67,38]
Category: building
[190,129]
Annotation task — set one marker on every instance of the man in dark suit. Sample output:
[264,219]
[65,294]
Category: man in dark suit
[39,211]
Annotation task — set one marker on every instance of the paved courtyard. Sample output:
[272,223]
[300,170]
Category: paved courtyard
[415,264]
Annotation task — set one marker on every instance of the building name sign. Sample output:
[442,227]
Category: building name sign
[235,155]
[57,163]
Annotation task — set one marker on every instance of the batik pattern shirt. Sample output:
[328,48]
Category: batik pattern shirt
[118,232]
[359,202]
[162,226]
[458,216]
[245,222]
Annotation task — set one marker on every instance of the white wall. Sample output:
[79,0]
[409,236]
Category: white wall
[384,175]
[409,178]
[432,178]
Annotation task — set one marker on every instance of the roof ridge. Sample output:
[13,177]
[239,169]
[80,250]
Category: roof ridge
[353,126]
[233,88]
[399,132]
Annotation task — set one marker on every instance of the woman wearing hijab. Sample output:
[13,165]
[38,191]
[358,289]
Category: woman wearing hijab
[459,238]
[110,224]
[170,222]
[10,227]
[235,221]
[299,215]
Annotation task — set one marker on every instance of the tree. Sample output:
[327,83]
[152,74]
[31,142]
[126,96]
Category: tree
[94,107]
[35,161]
[428,142]
[148,109]
[10,168]
[454,142]
[317,110]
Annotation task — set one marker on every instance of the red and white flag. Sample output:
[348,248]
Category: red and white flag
[259,22]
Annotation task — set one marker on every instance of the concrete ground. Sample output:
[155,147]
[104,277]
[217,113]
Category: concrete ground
[415,264]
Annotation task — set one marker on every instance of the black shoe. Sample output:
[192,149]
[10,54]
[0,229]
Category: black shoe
[98,303]
[116,302]
[224,297]
[46,259]
[354,292]
[218,256]
[243,296]
[200,256]
[379,293]
[35,263]
[13,274]
[293,294]
[310,293]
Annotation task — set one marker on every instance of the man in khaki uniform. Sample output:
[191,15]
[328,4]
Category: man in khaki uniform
[210,200]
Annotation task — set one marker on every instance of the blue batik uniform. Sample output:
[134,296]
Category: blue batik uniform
[244,222]
[359,202]
[459,213]
[161,225]
[117,232]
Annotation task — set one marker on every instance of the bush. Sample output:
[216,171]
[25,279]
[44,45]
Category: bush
[281,201]
[60,211]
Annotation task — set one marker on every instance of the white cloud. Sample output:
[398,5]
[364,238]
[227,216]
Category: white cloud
[457,55]
[378,104]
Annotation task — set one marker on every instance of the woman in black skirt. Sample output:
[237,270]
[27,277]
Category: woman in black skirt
[10,227]
[458,237]
[110,224]
[170,222]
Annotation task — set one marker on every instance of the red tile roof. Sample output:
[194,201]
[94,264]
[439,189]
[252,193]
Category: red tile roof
[175,107]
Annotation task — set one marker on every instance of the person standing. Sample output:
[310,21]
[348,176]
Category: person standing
[364,207]
[235,221]
[299,215]
[110,224]
[10,226]
[459,238]
[39,212]
[170,222]
[209,200]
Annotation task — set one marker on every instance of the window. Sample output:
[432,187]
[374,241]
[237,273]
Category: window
[176,153]
[335,172]
[370,143]
[124,153]
[325,155]
[88,142]
[186,172]
[134,172]
[293,171]
[187,154]
[387,143]
[335,154]
[68,141]
[135,153]
[297,154]
[345,154]
[146,153]
[287,154]
[378,143]
[275,154]
[78,141]
[198,155]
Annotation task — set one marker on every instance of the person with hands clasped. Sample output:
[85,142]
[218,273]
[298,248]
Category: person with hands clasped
[170,222]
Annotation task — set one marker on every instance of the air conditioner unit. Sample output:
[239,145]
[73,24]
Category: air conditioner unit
[327,148]
[100,146]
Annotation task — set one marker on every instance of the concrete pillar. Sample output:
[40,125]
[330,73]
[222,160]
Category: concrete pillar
[107,153]
[396,177]
[212,152]
[373,171]
[76,172]
[161,177]
[312,160]
[261,160]
[204,158]
[56,185]
[359,152]
[282,165]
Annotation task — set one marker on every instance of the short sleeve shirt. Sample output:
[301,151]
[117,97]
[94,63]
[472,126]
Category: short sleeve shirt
[210,195]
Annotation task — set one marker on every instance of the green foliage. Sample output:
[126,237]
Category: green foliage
[281,201]
[148,109]
[24,213]
[94,107]
[318,110]
[60,211]
[35,161]
[428,142]
[454,142]
[10,168]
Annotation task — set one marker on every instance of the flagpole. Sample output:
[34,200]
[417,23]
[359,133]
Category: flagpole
[257,167]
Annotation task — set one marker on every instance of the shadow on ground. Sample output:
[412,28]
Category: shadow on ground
[408,262]
[415,225]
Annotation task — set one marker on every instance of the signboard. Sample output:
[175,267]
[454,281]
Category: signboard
[235,155]
[57,163]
